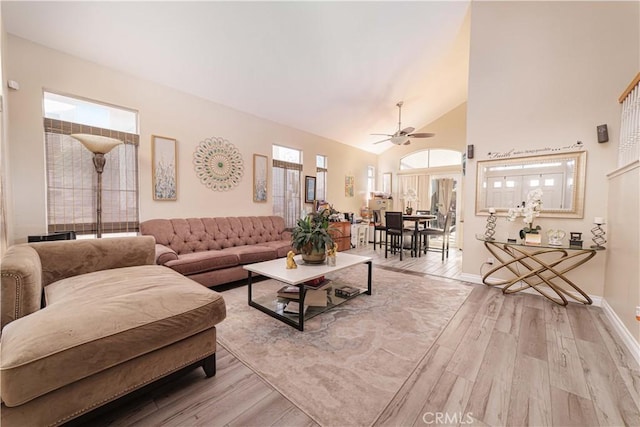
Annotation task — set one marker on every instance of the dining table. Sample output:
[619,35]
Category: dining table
[417,220]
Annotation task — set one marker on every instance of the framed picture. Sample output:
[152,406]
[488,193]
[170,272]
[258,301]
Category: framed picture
[348,186]
[164,168]
[260,174]
[386,182]
[309,189]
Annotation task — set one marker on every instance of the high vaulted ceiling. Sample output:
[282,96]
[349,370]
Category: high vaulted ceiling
[334,69]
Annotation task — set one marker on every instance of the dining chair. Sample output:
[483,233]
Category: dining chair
[427,233]
[396,231]
[378,226]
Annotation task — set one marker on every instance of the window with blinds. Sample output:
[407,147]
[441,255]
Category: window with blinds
[71,176]
[321,177]
[286,174]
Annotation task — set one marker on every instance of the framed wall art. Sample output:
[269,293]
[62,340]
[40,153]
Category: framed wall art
[309,189]
[164,168]
[260,170]
[348,186]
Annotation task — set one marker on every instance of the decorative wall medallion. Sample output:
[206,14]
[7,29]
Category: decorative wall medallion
[218,164]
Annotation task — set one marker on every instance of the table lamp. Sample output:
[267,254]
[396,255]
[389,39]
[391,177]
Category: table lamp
[99,146]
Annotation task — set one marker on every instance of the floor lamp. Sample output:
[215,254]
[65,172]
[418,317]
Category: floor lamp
[99,146]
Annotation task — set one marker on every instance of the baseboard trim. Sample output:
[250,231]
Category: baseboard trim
[622,331]
[476,278]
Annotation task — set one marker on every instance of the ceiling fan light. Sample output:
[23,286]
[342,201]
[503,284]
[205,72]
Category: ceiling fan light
[399,140]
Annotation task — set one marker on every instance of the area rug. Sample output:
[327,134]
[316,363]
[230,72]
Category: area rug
[349,362]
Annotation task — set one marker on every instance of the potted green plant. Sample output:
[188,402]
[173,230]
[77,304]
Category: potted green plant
[311,236]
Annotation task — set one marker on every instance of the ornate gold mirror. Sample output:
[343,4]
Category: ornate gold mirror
[504,183]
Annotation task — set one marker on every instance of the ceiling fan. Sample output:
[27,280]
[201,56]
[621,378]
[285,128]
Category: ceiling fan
[402,136]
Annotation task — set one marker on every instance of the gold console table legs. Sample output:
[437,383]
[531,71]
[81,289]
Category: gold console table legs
[536,267]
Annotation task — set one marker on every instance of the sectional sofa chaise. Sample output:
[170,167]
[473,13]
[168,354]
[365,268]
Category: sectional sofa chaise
[212,251]
[87,321]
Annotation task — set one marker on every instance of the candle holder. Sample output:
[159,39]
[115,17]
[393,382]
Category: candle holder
[598,236]
[490,228]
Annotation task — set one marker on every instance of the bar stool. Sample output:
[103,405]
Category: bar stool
[378,225]
[395,230]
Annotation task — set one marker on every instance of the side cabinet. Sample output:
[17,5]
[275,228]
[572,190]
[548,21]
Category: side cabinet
[341,233]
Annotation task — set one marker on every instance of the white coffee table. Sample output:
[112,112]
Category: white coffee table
[276,269]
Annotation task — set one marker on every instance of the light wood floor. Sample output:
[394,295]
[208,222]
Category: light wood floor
[512,360]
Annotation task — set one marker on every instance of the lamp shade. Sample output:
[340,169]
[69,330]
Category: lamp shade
[97,144]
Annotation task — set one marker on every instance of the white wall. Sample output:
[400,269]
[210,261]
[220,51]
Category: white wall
[545,74]
[622,288]
[4,196]
[162,111]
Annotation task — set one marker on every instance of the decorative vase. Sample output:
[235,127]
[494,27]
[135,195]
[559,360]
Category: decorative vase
[314,256]
[529,230]
[532,238]
[409,210]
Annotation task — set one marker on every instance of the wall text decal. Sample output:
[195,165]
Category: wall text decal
[534,151]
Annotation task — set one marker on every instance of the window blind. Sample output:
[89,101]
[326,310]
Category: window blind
[321,183]
[72,181]
[286,191]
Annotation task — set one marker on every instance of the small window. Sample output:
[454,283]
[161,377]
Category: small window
[417,160]
[371,180]
[444,158]
[321,177]
[286,154]
[84,112]
[431,159]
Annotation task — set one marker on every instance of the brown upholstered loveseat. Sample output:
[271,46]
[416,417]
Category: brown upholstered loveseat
[212,251]
[113,322]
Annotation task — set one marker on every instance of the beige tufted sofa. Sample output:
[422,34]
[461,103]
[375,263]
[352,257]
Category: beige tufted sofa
[112,322]
[212,251]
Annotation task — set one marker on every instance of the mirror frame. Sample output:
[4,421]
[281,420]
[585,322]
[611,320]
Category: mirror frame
[579,178]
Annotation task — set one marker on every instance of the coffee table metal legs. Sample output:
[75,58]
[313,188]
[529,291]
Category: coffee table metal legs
[300,323]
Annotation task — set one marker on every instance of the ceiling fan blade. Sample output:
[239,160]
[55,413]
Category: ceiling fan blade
[406,131]
[407,143]
[421,135]
[382,134]
[378,142]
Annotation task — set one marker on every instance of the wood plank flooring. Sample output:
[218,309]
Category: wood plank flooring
[515,360]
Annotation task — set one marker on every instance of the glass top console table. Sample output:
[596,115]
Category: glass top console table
[541,267]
